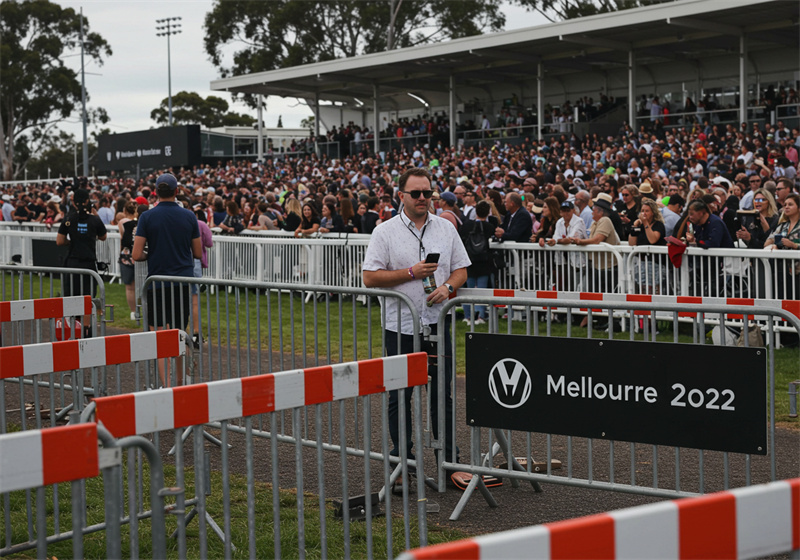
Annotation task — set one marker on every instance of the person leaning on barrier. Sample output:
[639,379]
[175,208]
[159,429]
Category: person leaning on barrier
[172,237]
[395,259]
[786,234]
[707,231]
[672,212]
[603,231]
[755,231]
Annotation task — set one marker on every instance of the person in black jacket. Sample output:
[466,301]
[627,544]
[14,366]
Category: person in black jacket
[80,231]
[475,235]
[517,223]
[331,221]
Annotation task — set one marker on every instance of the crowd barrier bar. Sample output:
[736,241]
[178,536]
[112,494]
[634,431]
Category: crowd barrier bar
[34,360]
[335,259]
[481,464]
[752,522]
[36,459]
[271,394]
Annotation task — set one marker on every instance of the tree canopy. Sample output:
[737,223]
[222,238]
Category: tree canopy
[559,10]
[192,108]
[37,90]
[284,33]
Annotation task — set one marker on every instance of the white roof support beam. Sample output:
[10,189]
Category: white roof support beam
[632,89]
[539,100]
[742,78]
[703,25]
[452,111]
[260,115]
[376,123]
[596,42]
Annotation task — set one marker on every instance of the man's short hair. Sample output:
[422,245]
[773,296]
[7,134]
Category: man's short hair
[482,209]
[515,198]
[676,199]
[413,172]
[787,183]
[372,202]
[699,206]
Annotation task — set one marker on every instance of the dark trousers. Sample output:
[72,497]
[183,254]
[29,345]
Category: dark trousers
[407,347]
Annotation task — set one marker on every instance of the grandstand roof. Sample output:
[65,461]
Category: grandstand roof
[692,31]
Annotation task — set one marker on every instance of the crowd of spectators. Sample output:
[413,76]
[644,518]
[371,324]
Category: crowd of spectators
[743,176]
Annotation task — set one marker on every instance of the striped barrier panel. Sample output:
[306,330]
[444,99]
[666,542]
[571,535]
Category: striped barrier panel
[179,407]
[790,306]
[36,458]
[745,523]
[50,357]
[45,308]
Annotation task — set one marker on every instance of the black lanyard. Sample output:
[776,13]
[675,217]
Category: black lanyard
[411,228]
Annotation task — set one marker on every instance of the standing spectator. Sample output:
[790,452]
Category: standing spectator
[232,224]
[517,223]
[371,219]
[475,235]
[172,237]
[105,212]
[395,259]
[331,221]
[449,210]
[127,229]
[206,241]
[8,208]
[80,231]
[709,230]
[672,213]
[582,207]
[746,203]
[309,225]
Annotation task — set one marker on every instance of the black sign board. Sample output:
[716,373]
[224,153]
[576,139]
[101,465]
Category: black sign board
[684,395]
[177,146]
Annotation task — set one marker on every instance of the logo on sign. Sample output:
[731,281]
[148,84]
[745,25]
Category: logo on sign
[509,383]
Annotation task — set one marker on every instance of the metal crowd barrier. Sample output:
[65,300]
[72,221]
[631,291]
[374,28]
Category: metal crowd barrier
[282,400]
[41,459]
[619,458]
[75,356]
[751,522]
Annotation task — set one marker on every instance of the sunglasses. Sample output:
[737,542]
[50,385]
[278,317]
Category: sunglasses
[760,200]
[415,194]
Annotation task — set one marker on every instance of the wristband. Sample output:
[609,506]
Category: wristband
[411,273]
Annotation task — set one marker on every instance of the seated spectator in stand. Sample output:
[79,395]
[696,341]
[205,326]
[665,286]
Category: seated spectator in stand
[755,230]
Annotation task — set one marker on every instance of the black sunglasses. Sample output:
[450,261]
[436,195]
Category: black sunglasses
[415,194]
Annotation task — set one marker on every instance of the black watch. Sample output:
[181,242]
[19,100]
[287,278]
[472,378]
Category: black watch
[450,288]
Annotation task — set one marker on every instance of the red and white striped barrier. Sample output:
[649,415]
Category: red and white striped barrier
[45,308]
[35,458]
[178,407]
[791,306]
[49,357]
[743,523]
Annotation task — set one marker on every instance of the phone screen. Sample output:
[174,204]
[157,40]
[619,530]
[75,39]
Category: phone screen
[432,258]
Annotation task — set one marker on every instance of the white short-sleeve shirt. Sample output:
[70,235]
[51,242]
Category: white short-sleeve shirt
[397,244]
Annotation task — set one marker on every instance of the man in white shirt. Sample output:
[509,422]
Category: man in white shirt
[8,208]
[395,259]
[568,227]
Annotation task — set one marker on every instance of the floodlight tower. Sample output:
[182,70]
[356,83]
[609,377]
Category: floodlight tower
[168,26]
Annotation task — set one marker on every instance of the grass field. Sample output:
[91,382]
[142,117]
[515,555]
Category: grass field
[95,546]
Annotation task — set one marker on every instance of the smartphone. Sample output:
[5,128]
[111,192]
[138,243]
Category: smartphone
[432,258]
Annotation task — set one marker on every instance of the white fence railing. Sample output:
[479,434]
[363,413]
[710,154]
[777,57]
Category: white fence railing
[335,260]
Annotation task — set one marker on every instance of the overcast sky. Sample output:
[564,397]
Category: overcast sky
[133,81]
